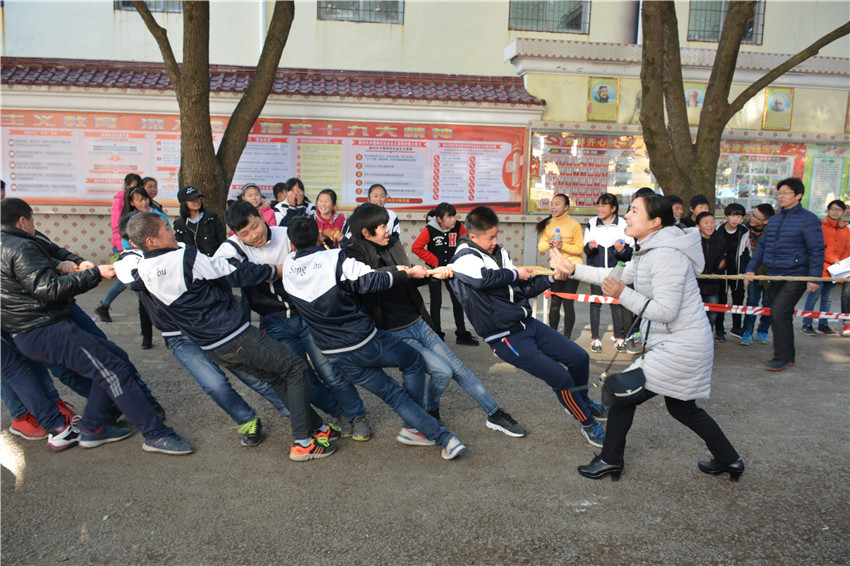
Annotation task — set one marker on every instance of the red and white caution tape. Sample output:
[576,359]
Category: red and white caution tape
[734,309]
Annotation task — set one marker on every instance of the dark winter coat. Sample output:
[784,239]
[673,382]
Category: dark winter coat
[205,236]
[792,244]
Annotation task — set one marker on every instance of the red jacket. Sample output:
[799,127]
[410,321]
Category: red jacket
[836,236]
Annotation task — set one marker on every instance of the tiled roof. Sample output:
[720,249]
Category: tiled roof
[78,73]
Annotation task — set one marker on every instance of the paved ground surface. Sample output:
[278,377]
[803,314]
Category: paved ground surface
[507,501]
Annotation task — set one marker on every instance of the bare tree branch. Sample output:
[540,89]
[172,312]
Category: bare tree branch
[777,72]
[161,36]
[254,99]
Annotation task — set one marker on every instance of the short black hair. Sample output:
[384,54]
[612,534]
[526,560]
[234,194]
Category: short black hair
[698,200]
[293,182]
[377,186]
[766,209]
[330,192]
[610,200]
[642,192]
[839,203]
[734,208]
[239,214]
[702,215]
[277,189]
[131,178]
[793,183]
[480,219]
[657,206]
[675,199]
[122,226]
[142,226]
[12,209]
[303,232]
[368,216]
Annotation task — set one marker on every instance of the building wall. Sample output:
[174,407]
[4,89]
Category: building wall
[439,37]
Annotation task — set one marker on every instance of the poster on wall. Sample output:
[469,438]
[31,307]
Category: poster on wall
[778,107]
[603,99]
[68,158]
[694,99]
[847,120]
[826,179]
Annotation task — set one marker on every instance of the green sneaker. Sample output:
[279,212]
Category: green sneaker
[252,432]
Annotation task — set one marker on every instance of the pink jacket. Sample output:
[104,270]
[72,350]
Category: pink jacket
[268,215]
[115,213]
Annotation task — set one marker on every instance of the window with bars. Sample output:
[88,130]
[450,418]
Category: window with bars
[371,11]
[706,17]
[153,5]
[554,16]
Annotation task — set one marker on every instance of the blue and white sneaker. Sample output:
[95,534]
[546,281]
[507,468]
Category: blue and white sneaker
[453,449]
[761,338]
[413,437]
[594,434]
[171,444]
[103,435]
[597,411]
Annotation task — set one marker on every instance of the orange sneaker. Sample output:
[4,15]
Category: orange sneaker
[318,448]
[27,427]
[331,433]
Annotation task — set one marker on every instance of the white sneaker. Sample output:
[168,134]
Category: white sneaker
[68,437]
[413,437]
[453,449]
[596,345]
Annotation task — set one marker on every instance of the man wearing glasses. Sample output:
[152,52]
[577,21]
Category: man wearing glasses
[792,246]
[759,291]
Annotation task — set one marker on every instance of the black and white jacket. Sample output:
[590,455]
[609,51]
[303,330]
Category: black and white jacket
[487,287]
[195,291]
[322,285]
[269,297]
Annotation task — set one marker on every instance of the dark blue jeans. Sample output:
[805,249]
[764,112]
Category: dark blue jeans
[755,294]
[363,367]
[331,393]
[269,360]
[31,386]
[543,352]
[107,366]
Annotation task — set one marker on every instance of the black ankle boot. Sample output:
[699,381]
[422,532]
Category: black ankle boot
[597,469]
[715,468]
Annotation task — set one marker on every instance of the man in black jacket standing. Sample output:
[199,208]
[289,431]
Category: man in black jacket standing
[36,299]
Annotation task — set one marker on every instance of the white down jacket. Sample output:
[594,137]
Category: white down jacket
[680,346]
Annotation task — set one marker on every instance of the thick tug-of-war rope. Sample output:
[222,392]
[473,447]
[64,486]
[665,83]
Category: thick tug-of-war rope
[537,270]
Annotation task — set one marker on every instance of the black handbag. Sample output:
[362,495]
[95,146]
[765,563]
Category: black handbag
[622,388]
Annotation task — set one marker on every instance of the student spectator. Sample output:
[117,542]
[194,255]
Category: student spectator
[36,299]
[400,311]
[251,193]
[562,233]
[255,242]
[792,245]
[435,246]
[606,244]
[195,292]
[495,296]
[699,203]
[293,205]
[130,180]
[330,221]
[678,207]
[378,195]
[714,254]
[758,291]
[836,236]
[734,234]
[152,188]
[137,200]
[323,285]
[196,226]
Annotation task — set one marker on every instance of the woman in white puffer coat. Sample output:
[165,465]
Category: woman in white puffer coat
[679,344]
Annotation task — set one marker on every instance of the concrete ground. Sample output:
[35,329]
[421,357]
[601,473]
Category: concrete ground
[506,501]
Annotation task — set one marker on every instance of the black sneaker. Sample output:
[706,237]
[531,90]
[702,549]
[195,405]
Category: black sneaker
[252,432]
[737,332]
[825,329]
[503,422]
[808,330]
[102,312]
[147,343]
[597,411]
[466,340]
[777,365]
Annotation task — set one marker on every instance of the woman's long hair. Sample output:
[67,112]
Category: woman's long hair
[128,197]
[541,226]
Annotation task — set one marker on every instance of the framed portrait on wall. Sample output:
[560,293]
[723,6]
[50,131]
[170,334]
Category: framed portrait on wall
[603,99]
[778,107]
[694,99]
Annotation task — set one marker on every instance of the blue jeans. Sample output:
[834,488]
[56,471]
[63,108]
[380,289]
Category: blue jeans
[363,367]
[755,294]
[33,383]
[713,299]
[824,292]
[443,366]
[332,393]
[215,384]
